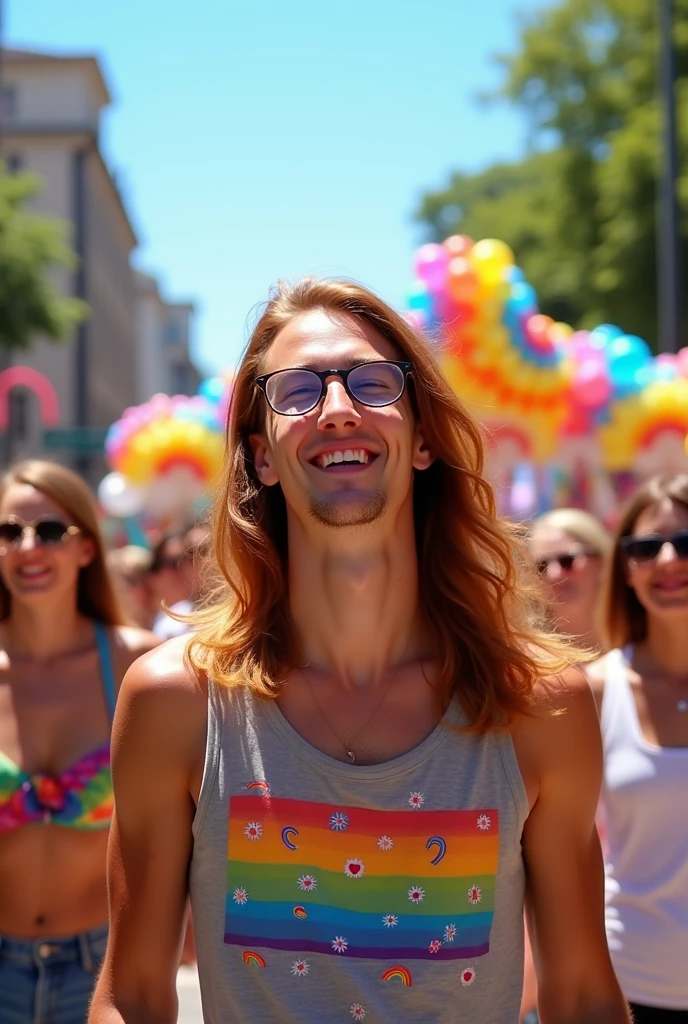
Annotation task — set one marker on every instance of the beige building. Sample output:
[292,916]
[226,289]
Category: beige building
[164,330]
[51,117]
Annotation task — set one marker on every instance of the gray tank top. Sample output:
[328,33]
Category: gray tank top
[325,892]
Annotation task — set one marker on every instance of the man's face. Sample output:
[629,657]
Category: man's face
[297,451]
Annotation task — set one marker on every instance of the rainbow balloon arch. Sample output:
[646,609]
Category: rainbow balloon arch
[165,456]
[572,417]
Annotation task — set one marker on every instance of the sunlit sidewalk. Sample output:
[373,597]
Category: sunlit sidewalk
[189,996]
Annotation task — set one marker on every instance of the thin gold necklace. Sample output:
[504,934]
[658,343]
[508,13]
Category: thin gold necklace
[346,745]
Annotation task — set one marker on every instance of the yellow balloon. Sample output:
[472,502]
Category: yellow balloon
[493,252]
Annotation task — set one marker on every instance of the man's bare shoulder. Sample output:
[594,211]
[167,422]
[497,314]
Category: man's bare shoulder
[561,737]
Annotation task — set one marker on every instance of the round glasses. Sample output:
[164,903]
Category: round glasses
[48,531]
[295,392]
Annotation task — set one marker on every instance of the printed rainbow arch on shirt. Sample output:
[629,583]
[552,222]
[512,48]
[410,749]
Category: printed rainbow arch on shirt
[354,882]
[402,973]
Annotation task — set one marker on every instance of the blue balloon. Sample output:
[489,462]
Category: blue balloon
[419,299]
[602,335]
[628,346]
[514,275]
[213,389]
[523,298]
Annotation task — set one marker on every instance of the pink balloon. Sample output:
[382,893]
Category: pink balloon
[591,386]
[682,362]
[431,265]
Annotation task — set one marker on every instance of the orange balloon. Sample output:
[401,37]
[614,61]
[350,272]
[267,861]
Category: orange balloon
[458,245]
[462,280]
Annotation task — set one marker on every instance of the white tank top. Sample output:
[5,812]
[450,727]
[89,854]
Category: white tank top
[645,809]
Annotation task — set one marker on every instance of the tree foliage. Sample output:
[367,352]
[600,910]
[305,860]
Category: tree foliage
[31,247]
[581,210]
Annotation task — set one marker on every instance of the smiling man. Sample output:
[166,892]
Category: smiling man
[368,753]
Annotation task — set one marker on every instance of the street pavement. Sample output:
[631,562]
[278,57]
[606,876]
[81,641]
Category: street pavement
[189,996]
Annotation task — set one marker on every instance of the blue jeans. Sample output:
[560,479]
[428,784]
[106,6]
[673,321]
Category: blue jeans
[49,981]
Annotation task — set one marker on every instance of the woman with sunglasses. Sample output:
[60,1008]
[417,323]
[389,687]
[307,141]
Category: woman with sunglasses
[569,547]
[64,649]
[641,688]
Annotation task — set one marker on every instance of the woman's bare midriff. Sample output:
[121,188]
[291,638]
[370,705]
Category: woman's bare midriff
[52,881]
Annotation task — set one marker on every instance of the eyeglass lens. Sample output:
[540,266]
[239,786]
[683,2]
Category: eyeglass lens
[296,392]
[565,562]
[646,549]
[46,531]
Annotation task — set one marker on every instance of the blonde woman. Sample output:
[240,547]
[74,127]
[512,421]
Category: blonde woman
[569,547]
[64,648]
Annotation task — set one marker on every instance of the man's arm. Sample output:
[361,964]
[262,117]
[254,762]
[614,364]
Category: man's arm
[158,746]
[564,870]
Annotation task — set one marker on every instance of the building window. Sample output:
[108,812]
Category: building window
[19,413]
[171,333]
[8,102]
[14,163]
[179,380]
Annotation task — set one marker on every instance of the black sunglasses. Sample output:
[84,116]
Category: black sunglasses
[646,549]
[566,561]
[295,391]
[45,530]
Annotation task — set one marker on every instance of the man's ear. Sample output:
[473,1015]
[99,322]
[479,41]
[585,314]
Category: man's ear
[422,456]
[263,461]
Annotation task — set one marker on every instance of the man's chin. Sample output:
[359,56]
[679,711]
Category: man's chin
[348,509]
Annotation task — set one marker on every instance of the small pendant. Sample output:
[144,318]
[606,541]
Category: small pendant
[352,757]
[682,705]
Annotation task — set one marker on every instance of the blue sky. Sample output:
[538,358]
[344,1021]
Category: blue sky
[259,139]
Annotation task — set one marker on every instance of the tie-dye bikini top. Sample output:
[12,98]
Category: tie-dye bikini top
[81,797]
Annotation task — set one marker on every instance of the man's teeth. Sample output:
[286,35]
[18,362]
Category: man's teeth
[31,571]
[349,455]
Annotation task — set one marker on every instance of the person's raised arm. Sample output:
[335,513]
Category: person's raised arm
[158,746]
[564,871]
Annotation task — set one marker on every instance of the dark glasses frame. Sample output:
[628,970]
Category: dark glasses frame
[68,531]
[323,375]
[646,548]
[567,560]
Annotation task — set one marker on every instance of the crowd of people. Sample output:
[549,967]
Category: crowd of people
[383,690]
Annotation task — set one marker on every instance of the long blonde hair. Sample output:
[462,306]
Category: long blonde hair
[96,596]
[472,595]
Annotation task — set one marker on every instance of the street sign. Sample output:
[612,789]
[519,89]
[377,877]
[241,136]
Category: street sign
[75,439]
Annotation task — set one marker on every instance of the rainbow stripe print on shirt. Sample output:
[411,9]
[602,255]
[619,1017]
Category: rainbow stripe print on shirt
[348,881]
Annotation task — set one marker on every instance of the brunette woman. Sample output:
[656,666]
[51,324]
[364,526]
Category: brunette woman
[64,649]
[641,687]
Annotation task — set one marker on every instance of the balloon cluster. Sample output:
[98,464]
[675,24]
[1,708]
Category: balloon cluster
[531,379]
[165,453]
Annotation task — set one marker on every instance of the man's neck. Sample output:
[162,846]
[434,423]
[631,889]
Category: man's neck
[354,600]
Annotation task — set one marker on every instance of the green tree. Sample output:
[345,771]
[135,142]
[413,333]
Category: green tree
[31,247]
[580,211]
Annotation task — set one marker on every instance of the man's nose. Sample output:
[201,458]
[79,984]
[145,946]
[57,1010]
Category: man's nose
[338,409]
